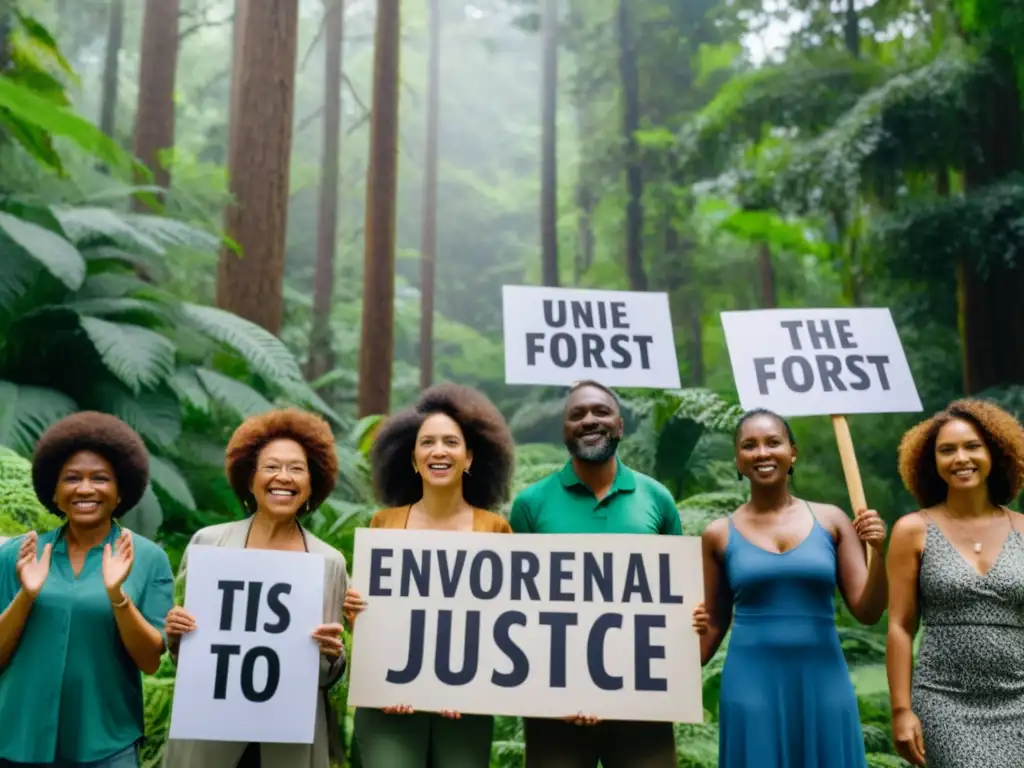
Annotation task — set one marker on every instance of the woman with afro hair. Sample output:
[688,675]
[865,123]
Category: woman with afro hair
[439,465]
[83,605]
[282,465]
[957,565]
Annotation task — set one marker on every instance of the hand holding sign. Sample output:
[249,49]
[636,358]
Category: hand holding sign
[353,606]
[870,529]
[178,622]
[328,637]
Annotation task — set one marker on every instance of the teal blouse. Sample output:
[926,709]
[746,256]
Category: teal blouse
[71,690]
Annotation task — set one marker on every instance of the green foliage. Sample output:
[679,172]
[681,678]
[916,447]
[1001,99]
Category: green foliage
[20,510]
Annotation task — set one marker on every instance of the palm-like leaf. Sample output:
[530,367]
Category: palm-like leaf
[26,412]
[138,357]
[262,351]
[146,516]
[131,230]
[155,415]
[60,258]
[232,394]
[168,479]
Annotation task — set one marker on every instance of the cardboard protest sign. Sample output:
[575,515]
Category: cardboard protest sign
[528,624]
[249,672]
[808,362]
[556,336]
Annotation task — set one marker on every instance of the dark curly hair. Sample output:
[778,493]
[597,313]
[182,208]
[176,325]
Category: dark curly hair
[307,429]
[101,434]
[1003,436]
[487,436]
[763,412]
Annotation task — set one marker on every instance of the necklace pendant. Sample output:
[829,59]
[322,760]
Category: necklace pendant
[977,546]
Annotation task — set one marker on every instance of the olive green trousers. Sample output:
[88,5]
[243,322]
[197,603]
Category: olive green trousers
[422,740]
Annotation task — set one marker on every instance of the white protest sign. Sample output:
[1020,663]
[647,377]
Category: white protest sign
[537,625]
[560,335]
[811,362]
[249,672]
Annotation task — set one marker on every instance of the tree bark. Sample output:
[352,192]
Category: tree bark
[115,34]
[991,311]
[377,341]
[321,352]
[428,234]
[154,117]
[634,175]
[549,145]
[251,284]
[766,273]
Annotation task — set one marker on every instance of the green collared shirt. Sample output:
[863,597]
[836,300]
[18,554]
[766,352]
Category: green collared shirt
[561,503]
[71,690]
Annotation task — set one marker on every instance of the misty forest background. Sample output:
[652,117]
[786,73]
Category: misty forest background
[385,167]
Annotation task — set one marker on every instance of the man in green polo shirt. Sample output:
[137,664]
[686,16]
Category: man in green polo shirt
[596,493]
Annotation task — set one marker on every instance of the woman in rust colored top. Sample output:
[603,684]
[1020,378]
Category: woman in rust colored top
[440,466]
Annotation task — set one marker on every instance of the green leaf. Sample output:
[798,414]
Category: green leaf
[156,416]
[60,258]
[31,109]
[138,357]
[37,142]
[233,394]
[27,412]
[188,388]
[146,516]
[265,354]
[168,479]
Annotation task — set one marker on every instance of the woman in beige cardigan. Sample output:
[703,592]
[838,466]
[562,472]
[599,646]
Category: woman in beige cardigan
[281,465]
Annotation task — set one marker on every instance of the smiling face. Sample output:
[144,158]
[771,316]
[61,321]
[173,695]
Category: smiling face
[441,456]
[962,459]
[281,483]
[764,453]
[86,489]
[591,425]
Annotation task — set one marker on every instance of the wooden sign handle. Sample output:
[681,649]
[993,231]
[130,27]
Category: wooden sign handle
[850,469]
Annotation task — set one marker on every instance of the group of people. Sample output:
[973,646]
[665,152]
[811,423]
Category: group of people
[88,607]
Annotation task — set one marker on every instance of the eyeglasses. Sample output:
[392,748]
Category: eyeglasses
[276,469]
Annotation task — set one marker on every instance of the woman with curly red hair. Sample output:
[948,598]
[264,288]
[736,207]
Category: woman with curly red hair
[83,606]
[439,465]
[957,564]
[281,465]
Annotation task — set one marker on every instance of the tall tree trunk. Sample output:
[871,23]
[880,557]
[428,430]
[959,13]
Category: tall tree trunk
[428,234]
[251,284]
[154,117]
[766,275]
[376,346]
[115,33]
[549,145]
[630,124]
[237,46]
[321,353]
[991,312]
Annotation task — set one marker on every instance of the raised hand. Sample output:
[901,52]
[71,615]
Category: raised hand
[178,622]
[700,619]
[870,529]
[117,562]
[32,571]
[328,637]
[353,606]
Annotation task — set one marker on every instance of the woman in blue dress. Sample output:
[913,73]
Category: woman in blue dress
[771,570]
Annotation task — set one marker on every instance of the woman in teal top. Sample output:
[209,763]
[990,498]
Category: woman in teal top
[83,606]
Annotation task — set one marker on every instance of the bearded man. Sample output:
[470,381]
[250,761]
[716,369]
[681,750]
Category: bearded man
[596,493]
